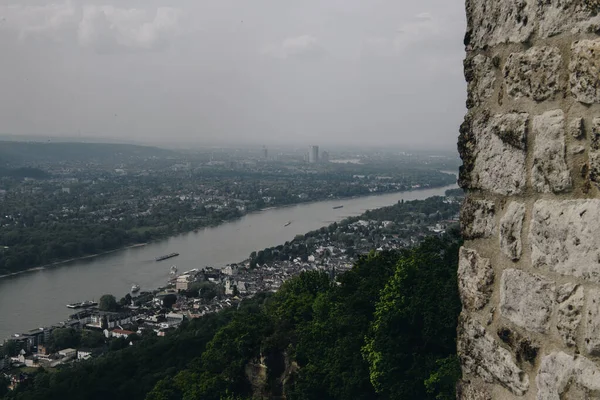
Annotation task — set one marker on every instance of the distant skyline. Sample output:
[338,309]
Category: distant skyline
[198,72]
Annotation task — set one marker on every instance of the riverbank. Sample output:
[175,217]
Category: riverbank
[212,225]
[61,262]
[40,298]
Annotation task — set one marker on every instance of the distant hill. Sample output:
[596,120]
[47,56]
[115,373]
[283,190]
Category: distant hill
[34,153]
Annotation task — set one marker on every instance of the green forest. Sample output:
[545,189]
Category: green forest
[386,329]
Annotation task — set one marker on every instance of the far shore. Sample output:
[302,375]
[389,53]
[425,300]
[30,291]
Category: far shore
[339,198]
[40,268]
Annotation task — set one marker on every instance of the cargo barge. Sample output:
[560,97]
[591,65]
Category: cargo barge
[167,256]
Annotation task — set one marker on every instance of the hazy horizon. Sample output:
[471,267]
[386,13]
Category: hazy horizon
[202,73]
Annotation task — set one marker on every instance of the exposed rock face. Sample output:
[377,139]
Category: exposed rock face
[565,237]
[475,277]
[585,71]
[511,226]
[534,73]
[570,299]
[499,164]
[550,171]
[482,356]
[559,371]
[478,218]
[527,300]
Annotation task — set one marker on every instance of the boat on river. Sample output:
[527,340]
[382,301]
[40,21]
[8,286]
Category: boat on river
[336,207]
[83,304]
[135,288]
[173,270]
[167,256]
[288,223]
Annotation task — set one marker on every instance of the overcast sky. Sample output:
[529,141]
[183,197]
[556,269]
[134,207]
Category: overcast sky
[385,72]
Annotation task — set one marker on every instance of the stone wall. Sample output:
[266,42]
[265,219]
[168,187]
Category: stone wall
[529,272]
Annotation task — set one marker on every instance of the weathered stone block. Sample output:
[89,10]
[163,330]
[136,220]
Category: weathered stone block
[534,73]
[594,167]
[576,128]
[550,172]
[482,356]
[595,139]
[560,373]
[559,16]
[585,71]
[477,218]
[480,75]
[475,278]
[499,154]
[565,237]
[570,305]
[494,22]
[511,226]
[527,300]
[592,323]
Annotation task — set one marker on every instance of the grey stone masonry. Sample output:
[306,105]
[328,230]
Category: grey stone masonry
[529,270]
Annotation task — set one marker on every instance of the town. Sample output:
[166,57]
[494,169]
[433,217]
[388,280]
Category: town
[71,200]
[113,324]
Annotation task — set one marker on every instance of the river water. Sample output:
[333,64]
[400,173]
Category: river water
[38,298]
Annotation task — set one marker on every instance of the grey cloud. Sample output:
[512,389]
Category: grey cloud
[104,28]
[107,27]
[260,71]
[303,46]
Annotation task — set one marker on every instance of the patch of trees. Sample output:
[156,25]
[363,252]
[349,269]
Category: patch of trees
[386,329]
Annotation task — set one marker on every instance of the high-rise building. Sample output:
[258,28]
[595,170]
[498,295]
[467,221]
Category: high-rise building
[265,153]
[313,154]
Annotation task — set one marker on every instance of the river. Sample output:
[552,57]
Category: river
[38,298]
